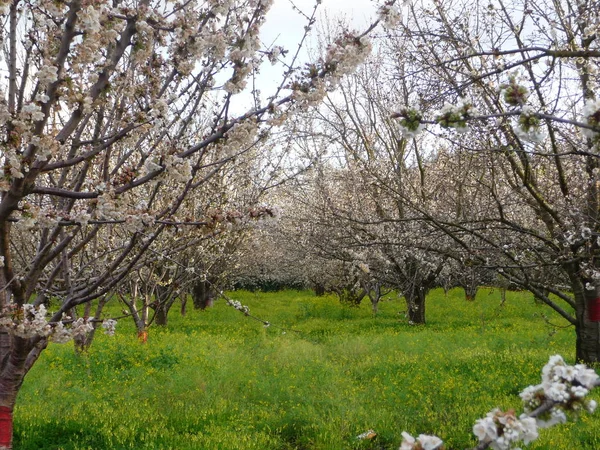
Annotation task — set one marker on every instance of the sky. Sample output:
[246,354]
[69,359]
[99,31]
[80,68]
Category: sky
[285,27]
[285,24]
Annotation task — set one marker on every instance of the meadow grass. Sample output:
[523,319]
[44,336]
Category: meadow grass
[218,380]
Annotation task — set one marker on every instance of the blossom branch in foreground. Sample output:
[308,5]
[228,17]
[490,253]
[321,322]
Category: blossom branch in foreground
[528,126]
[563,390]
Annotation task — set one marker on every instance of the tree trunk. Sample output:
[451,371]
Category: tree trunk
[15,365]
[202,295]
[165,297]
[375,306]
[319,290]
[415,302]
[375,296]
[470,291]
[587,345]
[161,315]
[588,342]
[183,305]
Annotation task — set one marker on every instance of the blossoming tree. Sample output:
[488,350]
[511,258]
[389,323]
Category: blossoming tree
[514,85]
[112,115]
[361,199]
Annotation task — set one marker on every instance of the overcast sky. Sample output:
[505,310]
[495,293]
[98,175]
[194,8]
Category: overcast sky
[285,27]
[282,21]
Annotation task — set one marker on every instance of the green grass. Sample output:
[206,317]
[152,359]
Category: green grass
[219,380]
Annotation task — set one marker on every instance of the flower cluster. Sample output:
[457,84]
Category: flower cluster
[238,305]
[342,58]
[274,54]
[107,206]
[422,442]
[528,128]
[451,116]
[109,326]
[239,138]
[30,322]
[12,163]
[32,111]
[346,54]
[61,334]
[363,267]
[389,14]
[503,430]
[26,322]
[514,94]
[591,116]
[178,169]
[410,121]
[563,389]
[565,386]
[47,74]
[81,327]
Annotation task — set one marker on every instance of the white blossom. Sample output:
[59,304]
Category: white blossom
[82,327]
[32,323]
[41,97]
[563,384]
[591,406]
[390,15]
[429,442]
[556,417]
[90,20]
[177,169]
[502,430]
[422,442]
[34,111]
[61,334]
[455,116]
[529,126]
[579,391]
[275,53]
[529,429]
[586,233]
[151,167]
[238,305]
[47,74]
[407,441]
[109,326]
[585,376]
[485,429]
[591,116]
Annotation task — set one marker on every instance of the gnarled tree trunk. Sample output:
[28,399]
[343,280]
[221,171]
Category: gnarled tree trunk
[319,289]
[587,344]
[202,295]
[415,303]
[17,356]
[470,291]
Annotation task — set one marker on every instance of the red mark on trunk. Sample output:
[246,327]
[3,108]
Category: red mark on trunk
[6,427]
[594,310]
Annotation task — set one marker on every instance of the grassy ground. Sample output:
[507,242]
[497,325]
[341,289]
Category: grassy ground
[218,380]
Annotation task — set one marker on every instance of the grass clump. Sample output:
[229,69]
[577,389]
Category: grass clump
[217,380]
